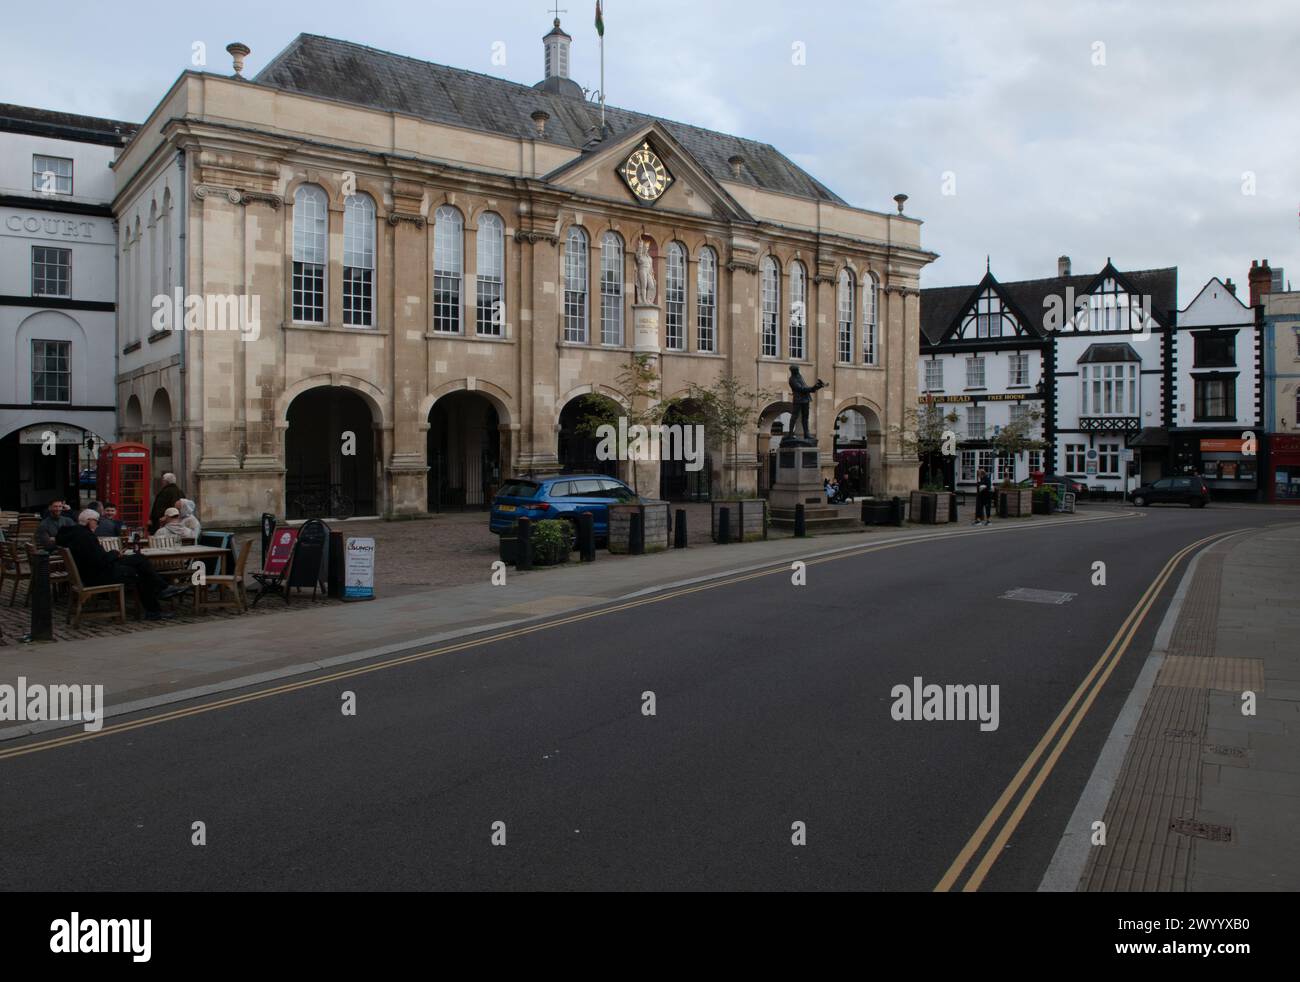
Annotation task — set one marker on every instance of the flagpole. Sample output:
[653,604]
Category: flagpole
[602,84]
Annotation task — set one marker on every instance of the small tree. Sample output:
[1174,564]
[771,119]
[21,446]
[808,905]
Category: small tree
[926,432]
[638,384]
[1017,437]
[726,408]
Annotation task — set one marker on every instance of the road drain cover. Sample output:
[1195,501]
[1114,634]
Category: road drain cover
[1201,830]
[1038,596]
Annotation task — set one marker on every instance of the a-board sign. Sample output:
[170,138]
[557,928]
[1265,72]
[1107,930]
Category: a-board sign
[308,555]
[281,549]
[359,569]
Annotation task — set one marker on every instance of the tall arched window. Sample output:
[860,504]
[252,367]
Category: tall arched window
[491,257]
[870,307]
[359,261]
[448,269]
[844,347]
[706,300]
[798,309]
[168,276]
[611,289]
[771,309]
[310,237]
[575,286]
[675,297]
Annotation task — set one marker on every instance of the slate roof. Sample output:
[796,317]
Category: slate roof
[353,73]
[1100,354]
[941,305]
[65,126]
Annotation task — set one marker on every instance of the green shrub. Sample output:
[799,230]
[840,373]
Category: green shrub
[552,541]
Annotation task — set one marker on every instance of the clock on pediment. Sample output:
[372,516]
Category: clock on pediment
[645,174]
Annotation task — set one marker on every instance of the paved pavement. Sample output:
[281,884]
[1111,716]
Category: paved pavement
[1207,797]
[773,706]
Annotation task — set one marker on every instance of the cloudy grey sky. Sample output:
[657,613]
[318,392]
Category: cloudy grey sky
[1090,128]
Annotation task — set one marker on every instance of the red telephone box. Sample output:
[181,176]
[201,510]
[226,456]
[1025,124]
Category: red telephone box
[123,480]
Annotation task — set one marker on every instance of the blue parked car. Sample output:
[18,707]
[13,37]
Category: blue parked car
[563,496]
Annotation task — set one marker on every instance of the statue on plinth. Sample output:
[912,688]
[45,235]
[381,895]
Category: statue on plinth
[647,291]
[802,394]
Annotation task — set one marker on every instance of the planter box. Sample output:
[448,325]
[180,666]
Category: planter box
[748,520]
[929,507]
[654,524]
[1016,503]
[1042,504]
[877,513]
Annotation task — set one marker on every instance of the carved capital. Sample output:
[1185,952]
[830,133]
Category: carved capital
[401,216]
[740,265]
[202,191]
[532,238]
[266,197]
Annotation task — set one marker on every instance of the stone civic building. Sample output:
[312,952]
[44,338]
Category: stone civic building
[396,280]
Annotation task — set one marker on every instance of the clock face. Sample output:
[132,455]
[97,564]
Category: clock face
[645,174]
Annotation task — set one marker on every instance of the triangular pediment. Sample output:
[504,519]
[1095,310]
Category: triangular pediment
[689,188]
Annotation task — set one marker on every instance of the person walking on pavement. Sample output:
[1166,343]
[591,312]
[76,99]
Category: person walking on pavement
[168,495]
[983,496]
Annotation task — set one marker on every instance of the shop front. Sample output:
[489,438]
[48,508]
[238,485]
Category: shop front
[1226,459]
[1284,468]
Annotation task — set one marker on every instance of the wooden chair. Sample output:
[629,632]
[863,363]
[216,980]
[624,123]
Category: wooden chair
[232,583]
[27,526]
[81,593]
[164,542]
[58,570]
[111,544]
[13,567]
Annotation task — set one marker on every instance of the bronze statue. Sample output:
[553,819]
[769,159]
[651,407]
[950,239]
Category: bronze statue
[802,393]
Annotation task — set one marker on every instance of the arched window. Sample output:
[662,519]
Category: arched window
[310,236]
[844,346]
[870,301]
[575,286]
[798,309]
[771,309]
[168,275]
[448,269]
[675,297]
[491,256]
[359,261]
[706,300]
[611,289]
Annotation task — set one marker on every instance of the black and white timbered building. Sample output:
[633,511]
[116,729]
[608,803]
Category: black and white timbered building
[1090,352]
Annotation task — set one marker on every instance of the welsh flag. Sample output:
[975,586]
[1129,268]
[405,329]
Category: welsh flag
[600,21]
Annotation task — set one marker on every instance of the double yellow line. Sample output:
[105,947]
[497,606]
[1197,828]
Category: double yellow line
[167,717]
[1065,724]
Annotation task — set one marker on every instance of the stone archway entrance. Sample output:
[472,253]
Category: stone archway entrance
[677,481]
[463,451]
[330,455]
[577,447]
[774,422]
[859,451]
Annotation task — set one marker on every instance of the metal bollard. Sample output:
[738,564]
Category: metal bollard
[724,526]
[800,522]
[864,512]
[952,507]
[524,547]
[39,587]
[679,530]
[636,534]
[897,511]
[586,537]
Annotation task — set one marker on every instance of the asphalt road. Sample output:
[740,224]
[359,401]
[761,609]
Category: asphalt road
[772,707]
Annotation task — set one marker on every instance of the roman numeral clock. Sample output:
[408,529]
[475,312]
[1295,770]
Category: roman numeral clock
[645,174]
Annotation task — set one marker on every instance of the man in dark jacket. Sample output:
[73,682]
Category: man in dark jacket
[98,567]
[52,521]
[167,498]
[110,527]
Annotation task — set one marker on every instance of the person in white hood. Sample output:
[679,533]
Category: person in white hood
[181,521]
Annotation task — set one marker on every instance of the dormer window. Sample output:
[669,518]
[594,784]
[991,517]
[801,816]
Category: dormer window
[989,318]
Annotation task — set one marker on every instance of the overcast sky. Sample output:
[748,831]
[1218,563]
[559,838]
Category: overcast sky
[1132,130]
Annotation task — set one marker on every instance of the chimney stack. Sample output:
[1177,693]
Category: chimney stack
[1231,286]
[736,164]
[1063,266]
[539,119]
[1260,279]
[238,51]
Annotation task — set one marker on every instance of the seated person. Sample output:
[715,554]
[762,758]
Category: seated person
[829,490]
[110,527]
[53,520]
[98,568]
[177,523]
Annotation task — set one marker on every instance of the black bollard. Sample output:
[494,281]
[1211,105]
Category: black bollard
[897,511]
[952,507]
[800,522]
[586,537]
[724,526]
[864,512]
[39,587]
[679,530]
[636,534]
[524,548]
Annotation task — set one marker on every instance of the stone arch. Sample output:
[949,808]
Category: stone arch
[370,392]
[132,419]
[856,439]
[501,399]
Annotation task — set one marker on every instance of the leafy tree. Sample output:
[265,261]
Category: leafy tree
[1018,436]
[925,432]
[726,408]
[638,384]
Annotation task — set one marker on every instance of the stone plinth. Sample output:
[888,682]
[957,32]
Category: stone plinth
[798,478]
